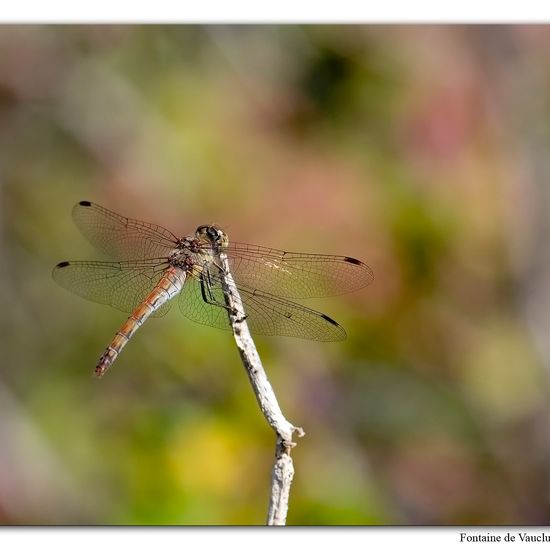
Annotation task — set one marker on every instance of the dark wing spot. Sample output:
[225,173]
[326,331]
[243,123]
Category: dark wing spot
[352,261]
[85,203]
[331,321]
[62,264]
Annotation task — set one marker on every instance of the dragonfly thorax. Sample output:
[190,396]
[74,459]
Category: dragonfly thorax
[195,252]
[182,257]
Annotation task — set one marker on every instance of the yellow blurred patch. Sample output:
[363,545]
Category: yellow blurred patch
[501,373]
[206,457]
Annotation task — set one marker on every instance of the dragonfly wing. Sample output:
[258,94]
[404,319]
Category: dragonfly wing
[122,285]
[265,314]
[119,237]
[274,316]
[194,306]
[296,275]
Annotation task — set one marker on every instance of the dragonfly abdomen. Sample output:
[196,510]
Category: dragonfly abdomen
[169,286]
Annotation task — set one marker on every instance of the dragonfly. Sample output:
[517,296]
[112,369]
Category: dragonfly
[149,266]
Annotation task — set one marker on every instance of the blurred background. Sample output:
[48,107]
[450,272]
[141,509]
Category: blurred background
[421,150]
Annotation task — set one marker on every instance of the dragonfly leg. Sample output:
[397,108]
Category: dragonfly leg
[209,297]
[207,294]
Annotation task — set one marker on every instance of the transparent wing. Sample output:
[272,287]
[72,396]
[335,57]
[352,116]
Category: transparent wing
[295,275]
[123,285]
[193,306]
[119,237]
[266,314]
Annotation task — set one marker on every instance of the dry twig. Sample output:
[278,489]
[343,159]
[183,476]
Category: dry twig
[283,469]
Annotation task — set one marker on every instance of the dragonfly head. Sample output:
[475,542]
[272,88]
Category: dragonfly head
[212,235]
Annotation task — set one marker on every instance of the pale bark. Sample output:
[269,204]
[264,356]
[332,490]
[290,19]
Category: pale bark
[283,469]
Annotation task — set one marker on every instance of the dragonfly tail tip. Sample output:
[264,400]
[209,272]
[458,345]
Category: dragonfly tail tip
[100,371]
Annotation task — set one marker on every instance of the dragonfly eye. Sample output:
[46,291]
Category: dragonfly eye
[212,234]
